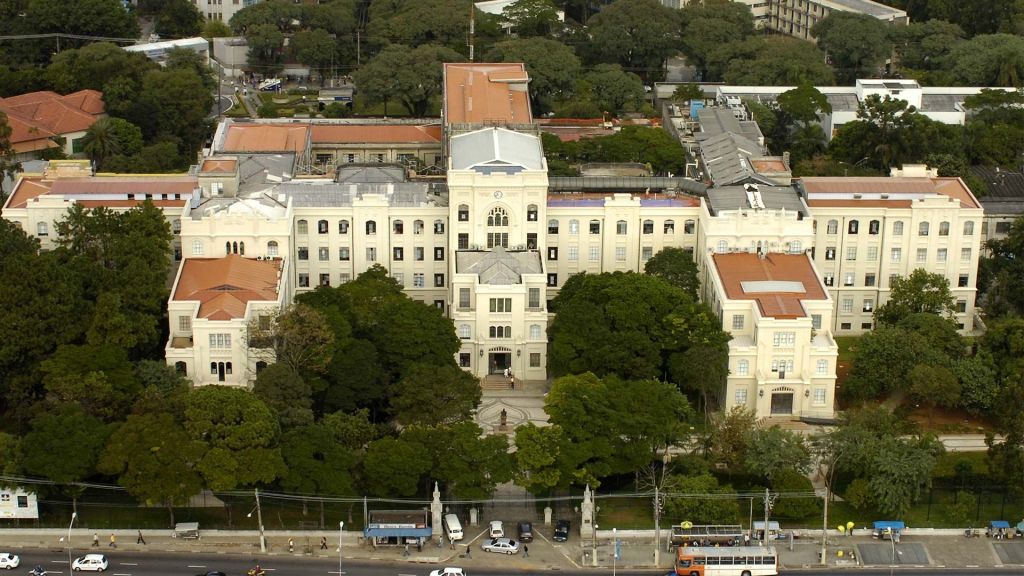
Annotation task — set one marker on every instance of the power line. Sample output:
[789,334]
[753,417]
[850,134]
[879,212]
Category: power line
[68,36]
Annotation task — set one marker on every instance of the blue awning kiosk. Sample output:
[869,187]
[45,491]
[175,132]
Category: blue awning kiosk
[891,529]
[397,527]
[999,529]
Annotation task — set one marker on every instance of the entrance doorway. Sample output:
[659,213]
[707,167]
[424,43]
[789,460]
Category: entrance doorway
[499,361]
[782,403]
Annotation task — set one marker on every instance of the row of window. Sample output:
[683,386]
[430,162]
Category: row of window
[963,280]
[501,305]
[573,253]
[418,279]
[941,254]
[819,394]
[397,226]
[463,214]
[466,360]
[923,228]
[397,253]
[868,305]
[466,332]
[795,247]
[622,228]
[782,365]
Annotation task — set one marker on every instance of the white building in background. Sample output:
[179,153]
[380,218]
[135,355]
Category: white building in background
[17,503]
[797,17]
[782,356]
[221,10]
[871,230]
[157,51]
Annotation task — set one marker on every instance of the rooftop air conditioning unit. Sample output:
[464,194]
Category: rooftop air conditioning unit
[259,257]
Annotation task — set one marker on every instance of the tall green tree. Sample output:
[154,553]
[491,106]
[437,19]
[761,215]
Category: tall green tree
[922,291]
[315,48]
[104,18]
[934,386]
[317,462]
[709,28]
[418,23]
[266,47]
[155,460]
[553,67]
[924,45]
[637,34]
[614,89]
[64,446]
[431,395]
[774,450]
[412,76]
[110,136]
[677,267]
[98,378]
[885,357]
[532,18]
[690,499]
[469,464]
[284,391]
[776,61]
[541,464]
[857,44]
[179,19]
[393,467]
[989,60]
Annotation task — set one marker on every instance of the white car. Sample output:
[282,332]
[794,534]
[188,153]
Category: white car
[501,546]
[9,561]
[497,529]
[448,572]
[91,563]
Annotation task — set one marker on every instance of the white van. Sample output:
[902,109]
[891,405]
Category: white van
[452,527]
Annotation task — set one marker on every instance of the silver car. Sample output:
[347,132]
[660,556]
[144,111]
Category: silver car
[501,546]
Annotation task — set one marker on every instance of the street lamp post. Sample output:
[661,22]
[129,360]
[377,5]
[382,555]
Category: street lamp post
[73,516]
[341,526]
[615,549]
[259,520]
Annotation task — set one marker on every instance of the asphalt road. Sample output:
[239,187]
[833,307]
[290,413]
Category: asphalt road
[221,104]
[156,563]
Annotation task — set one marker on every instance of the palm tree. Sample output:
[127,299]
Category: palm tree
[100,141]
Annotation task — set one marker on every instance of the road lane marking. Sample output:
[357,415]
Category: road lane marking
[59,561]
[128,563]
[195,566]
[116,574]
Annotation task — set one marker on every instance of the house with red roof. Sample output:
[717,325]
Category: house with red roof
[46,120]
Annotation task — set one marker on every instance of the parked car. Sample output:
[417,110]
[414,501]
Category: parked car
[448,572]
[90,563]
[9,561]
[501,545]
[497,529]
[562,531]
[525,532]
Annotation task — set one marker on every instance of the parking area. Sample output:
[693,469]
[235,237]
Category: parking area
[906,553]
[1009,552]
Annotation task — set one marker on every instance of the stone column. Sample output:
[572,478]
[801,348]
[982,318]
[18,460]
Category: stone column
[587,514]
[435,512]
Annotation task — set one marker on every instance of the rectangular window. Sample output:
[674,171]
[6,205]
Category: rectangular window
[303,253]
[534,359]
[463,242]
[819,396]
[620,253]
[1003,227]
[595,227]
[869,279]
[848,279]
[324,254]
[784,339]
[830,253]
[847,305]
[896,254]
[922,254]
[552,253]
[595,253]
[417,280]
[438,280]
[325,279]
[371,254]
[821,369]
[851,252]
[344,254]
[965,254]
[465,359]
[865,325]
[534,298]
[400,278]
[646,252]
[501,304]
[869,305]
[438,253]
[184,323]
[398,254]
[220,341]
[345,278]
[829,279]
[552,279]
[418,253]
[737,321]
[941,254]
[963,281]
[303,280]
[574,253]
[961,306]
[816,321]
[872,253]
[845,326]
[463,297]
[741,396]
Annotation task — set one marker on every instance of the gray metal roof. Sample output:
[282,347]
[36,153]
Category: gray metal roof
[496,149]
[330,194]
[774,198]
[370,174]
[498,267]
[843,102]
[257,171]
[870,8]
[941,102]
[727,159]
[718,120]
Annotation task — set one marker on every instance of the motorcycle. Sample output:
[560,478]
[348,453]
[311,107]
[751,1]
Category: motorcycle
[971,533]
[257,571]
[37,571]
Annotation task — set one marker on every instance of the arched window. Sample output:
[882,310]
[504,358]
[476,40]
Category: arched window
[943,228]
[272,248]
[689,226]
[463,213]
[181,368]
[197,247]
[620,227]
[595,226]
[417,227]
[531,213]
[897,228]
[873,227]
[497,222]
[535,332]
[464,331]
[398,226]
[321,226]
[722,246]
[302,227]
[342,226]
[833,227]
[922,229]
[241,248]
[234,247]
[42,229]
[670,227]
[552,226]
[438,226]
[227,247]
[853,227]
[371,227]
[968,228]
[574,227]
[648,227]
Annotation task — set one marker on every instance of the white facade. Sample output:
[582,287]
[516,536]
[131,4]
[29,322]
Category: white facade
[221,10]
[18,503]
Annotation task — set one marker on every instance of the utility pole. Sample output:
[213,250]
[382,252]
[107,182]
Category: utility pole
[359,52]
[259,520]
[472,27]
[768,500]
[824,530]
[657,525]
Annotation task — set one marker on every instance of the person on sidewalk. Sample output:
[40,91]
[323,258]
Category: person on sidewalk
[95,540]
[113,540]
[526,551]
[419,544]
[469,551]
[140,539]
[291,545]
[405,551]
[323,542]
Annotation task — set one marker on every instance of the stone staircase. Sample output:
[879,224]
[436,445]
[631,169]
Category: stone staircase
[495,382]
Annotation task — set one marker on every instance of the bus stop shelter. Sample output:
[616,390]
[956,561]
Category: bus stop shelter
[396,527]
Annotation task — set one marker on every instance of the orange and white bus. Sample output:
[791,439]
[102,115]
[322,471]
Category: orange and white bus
[727,561]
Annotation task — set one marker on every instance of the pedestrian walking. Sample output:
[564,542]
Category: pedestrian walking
[113,540]
[419,545]
[469,551]
[95,540]
[405,551]
[323,542]
[291,545]
[140,539]
[526,551]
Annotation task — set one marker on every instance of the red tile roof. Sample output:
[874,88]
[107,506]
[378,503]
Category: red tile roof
[266,138]
[219,165]
[486,93]
[37,116]
[223,286]
[794,274]
[31,187]
[900,192]
[376,133]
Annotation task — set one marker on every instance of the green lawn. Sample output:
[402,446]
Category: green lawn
[847,347]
